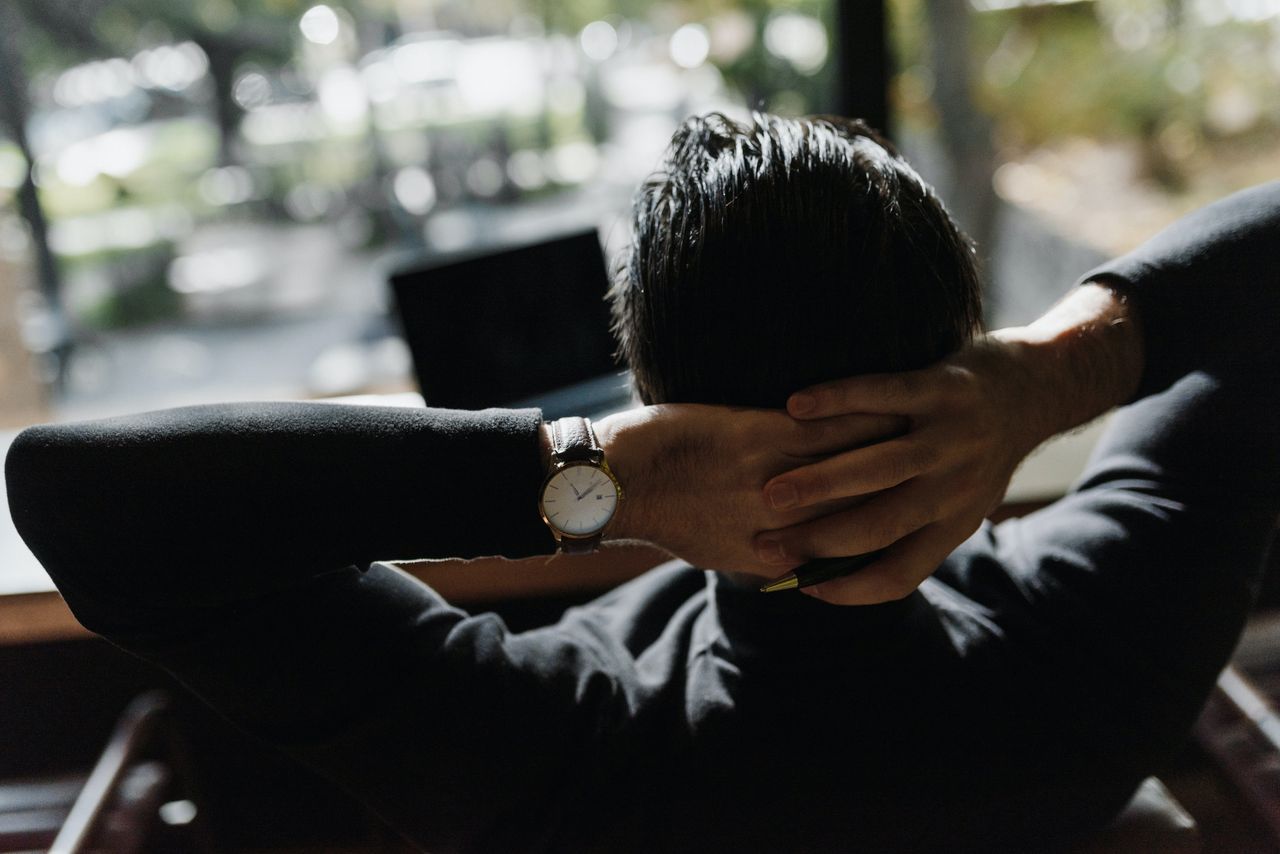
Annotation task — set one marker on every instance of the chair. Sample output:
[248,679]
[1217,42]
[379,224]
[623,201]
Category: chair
[122,801]
[120,804]
[1153,822]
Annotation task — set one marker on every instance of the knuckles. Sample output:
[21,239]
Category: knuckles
[911,460]
[960,385]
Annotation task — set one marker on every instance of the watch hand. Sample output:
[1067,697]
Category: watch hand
[587,491]
[576,493]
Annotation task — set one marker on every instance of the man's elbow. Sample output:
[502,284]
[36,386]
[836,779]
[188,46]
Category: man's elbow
[31,466]
[39,474]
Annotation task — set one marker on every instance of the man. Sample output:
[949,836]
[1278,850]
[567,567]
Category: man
[1011,702]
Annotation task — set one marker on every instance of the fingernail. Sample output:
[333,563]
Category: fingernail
[802,403]
[770,551]
[782,496]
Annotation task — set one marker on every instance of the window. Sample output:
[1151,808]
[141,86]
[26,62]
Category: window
[1064,132]
[216,188]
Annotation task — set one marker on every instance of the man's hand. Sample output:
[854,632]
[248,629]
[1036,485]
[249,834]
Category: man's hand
[972,419]
[922,493]
[693,475]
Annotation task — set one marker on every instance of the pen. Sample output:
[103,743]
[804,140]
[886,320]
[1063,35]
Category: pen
[817,571]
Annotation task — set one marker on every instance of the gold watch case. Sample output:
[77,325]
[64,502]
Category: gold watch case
[557,468]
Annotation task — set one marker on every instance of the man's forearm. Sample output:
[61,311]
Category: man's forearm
[206,505]
[1207,291]
[1203,294]
[1081,358]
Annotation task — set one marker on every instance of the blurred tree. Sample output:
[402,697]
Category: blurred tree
[230,34]
[757,75]
[20,391]
[50,35]
[15,108]
[1162,75]
[965,128]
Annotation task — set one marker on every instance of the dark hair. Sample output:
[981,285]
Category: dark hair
[768,256]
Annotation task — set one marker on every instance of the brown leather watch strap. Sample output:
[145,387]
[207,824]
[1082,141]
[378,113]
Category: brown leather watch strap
[572,440]
[580,546]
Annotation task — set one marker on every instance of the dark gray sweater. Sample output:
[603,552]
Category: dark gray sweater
[1010,704]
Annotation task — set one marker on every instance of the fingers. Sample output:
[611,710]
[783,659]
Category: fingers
[857,472]
[828,435]
[902,568]
[907,392]
[873,525]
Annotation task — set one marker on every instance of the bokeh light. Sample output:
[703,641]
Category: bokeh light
[320,25]
[690,46]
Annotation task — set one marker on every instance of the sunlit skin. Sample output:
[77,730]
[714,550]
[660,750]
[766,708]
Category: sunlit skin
[932,453]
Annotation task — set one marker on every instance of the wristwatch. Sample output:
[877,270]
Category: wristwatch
[580,494]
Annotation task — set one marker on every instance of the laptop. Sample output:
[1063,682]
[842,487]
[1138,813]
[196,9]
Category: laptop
[521,326]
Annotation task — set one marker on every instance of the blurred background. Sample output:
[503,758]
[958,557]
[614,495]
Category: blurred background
[201,201]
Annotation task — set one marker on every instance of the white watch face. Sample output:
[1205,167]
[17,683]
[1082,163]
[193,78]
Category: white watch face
[579,499]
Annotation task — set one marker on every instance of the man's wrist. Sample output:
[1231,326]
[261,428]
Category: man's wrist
[1084,357]
[627,440]
[618,437]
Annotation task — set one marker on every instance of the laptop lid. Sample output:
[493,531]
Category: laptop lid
[522,326]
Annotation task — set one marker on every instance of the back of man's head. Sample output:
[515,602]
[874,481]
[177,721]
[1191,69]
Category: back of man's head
[769,256]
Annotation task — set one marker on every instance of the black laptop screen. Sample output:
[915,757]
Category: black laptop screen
[502,327]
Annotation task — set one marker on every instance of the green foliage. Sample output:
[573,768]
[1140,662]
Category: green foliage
[1148,72]
[1051,72]
[141,294]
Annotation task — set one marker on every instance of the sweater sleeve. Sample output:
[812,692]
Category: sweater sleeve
[1207,289]
[200,506]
